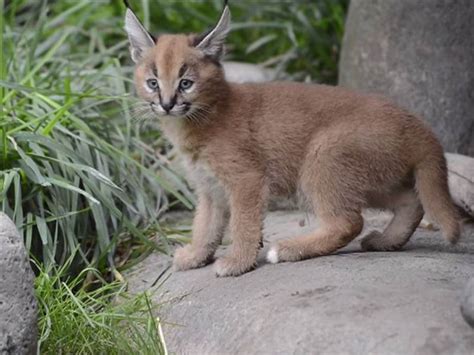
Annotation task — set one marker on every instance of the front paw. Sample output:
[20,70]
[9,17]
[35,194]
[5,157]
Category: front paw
[187,257]
[232,266]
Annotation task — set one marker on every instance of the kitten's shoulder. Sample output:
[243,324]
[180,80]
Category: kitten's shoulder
[291,87]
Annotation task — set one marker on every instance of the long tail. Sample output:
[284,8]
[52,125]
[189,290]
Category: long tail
[432,187]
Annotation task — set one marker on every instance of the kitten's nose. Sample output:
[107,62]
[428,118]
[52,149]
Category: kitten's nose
[168,106]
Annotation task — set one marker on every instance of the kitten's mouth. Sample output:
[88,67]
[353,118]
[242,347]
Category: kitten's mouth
[180,111]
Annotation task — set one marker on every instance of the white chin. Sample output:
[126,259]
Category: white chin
[170,115]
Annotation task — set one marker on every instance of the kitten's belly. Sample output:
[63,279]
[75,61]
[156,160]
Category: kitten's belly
[282,180]
[281,189]
[203,178]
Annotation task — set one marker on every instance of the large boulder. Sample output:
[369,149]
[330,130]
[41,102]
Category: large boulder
[352,302]
[419,53]
[467,303]
[18,309]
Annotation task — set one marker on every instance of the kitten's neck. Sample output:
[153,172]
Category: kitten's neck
[187,134]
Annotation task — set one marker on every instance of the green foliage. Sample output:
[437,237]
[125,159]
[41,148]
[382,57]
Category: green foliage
[105,320]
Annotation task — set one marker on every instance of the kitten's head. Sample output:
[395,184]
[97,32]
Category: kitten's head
[177,75]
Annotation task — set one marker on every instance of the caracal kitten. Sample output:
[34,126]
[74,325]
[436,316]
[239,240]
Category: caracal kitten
[339,150]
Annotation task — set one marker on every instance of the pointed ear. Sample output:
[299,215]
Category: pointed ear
[140,39]
[212,43]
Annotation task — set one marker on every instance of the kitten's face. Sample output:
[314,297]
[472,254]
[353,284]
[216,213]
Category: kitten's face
[174,78]
[177,75]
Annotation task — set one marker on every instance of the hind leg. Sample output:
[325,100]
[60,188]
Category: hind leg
[334,233]
[336,198]
[408,213]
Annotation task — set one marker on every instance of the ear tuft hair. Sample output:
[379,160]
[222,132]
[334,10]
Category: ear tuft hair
[140,39]
[212,43]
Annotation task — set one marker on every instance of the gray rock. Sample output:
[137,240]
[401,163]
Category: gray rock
[419,53]
[467,304]
[461,181]
[352,302]
[18,310]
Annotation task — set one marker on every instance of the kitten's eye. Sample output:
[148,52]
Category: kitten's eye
[185,84]
[152,84]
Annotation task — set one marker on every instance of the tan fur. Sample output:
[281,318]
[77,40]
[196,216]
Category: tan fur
[340,150]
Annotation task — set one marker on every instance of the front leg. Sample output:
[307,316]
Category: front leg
[210,221]
[247,200]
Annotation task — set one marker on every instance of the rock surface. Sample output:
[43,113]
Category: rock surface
[461,181]
[419,53]
[18,311]
[467,304]
[352,302]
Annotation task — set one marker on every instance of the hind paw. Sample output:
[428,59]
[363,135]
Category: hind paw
[283,251]
[376,241]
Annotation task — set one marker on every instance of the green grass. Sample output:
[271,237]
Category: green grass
[102,319]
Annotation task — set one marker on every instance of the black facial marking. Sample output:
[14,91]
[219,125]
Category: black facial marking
[154,70]
[182,70]
[152,106]
[173,100]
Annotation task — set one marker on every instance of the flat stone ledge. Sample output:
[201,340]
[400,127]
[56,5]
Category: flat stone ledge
[352,302]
